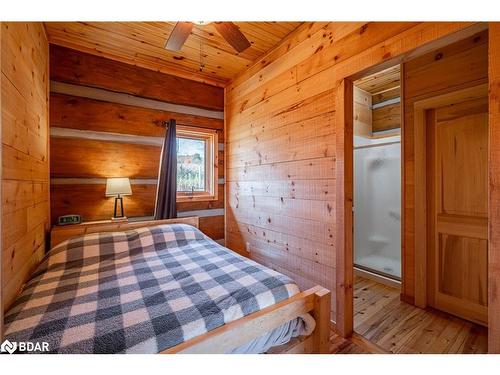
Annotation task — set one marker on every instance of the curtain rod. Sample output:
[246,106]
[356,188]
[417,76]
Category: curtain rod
[164,122]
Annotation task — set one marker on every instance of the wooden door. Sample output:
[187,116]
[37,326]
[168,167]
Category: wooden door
[457,199]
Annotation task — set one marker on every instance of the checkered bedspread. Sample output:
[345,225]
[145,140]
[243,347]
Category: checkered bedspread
[140,291]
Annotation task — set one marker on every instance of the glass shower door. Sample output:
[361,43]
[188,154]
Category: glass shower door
[377,206]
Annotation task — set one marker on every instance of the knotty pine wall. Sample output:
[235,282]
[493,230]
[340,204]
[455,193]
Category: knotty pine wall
[283,132]
[106,121]
[456,66]
[25,153]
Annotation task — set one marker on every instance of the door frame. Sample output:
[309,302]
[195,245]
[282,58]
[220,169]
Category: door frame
[345,195]
[344,256]
[420,146]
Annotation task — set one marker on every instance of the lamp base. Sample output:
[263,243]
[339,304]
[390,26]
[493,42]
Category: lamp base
[122,216]
[115,219]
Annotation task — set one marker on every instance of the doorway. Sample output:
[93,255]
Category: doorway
[452,167]
[409,322]
[377,167]
[377,176]
[450,310]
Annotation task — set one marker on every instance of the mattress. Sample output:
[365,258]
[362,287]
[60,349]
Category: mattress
[145,291]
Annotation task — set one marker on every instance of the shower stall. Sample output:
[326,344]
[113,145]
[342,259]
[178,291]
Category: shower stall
[377,205]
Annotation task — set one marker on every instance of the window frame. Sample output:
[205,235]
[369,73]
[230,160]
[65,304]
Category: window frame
[211,164]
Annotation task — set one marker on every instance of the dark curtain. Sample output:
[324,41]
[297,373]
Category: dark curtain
[167,176]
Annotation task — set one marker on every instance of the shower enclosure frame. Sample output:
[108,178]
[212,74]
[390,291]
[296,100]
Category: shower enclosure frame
[344,145]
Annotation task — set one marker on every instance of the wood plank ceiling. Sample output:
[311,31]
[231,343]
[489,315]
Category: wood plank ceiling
[384,87]
[142,44]
[382,81]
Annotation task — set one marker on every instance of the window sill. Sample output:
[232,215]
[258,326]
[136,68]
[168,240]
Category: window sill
[196,198]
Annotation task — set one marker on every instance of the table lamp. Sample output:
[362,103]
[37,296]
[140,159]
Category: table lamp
[118,187]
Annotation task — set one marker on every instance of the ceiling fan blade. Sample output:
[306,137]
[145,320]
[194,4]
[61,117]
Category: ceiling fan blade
[178,36]
[233,35]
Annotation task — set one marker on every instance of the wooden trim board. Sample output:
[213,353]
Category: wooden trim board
[60,234]
[378,278]
[344,216]
[403,175]
[494,191]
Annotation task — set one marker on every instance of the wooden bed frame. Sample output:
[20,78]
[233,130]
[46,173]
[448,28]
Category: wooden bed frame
[315,301]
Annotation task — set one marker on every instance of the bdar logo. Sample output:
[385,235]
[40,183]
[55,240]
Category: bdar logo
[8,346]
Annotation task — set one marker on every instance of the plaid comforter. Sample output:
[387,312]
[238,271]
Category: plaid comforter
[140,291]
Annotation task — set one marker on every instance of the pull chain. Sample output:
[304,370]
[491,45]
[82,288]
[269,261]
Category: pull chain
[202,64]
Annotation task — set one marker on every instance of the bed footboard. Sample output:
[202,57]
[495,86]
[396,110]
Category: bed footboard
[315,301]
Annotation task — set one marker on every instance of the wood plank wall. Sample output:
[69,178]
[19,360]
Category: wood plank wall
[494,191]
[387,117]
[457,66]
[25,153]
[106,120]
[281,147]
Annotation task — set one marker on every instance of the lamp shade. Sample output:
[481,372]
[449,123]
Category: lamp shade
[118,186]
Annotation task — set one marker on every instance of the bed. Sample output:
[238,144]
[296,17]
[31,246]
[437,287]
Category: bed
[162,288]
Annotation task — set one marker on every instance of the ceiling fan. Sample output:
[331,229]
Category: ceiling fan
[228,30]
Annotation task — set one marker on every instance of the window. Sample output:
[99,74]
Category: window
[196,164]
[191,164]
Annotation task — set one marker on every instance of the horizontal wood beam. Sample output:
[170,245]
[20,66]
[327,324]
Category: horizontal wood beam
[105,136]
[102,159]
[76,112]
[102,181]
[71,66]
[56,132]
[128,99]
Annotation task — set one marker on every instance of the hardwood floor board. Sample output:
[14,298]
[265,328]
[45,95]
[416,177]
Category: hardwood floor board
[366,303]
[459,344]
[390,330]
[339,345]
[389,315]
[387,323]
[475,339]
[367,344]
[448,336]
[422,343]
[366,317]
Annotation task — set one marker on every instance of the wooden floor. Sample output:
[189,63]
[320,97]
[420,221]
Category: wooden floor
[385,324]
[339,345]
